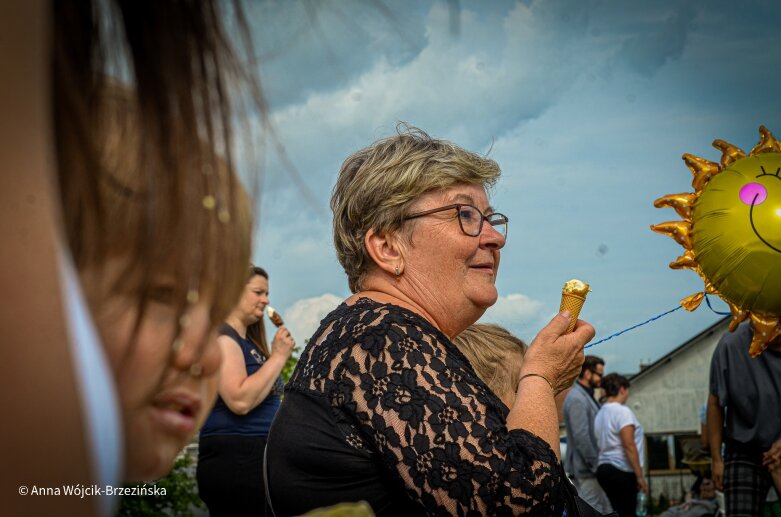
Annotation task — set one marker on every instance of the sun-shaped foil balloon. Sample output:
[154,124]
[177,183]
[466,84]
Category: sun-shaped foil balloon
[731,233]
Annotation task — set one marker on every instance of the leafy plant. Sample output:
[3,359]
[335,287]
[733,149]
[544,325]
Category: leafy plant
[290,365]
[176,494]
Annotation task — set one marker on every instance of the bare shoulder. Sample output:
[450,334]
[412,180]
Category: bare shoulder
[31,244]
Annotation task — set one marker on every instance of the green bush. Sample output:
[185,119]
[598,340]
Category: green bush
[287,370]
[290,365]
[180,499]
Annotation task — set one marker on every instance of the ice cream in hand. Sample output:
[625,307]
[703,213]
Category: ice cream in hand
[573,296]
[274,316]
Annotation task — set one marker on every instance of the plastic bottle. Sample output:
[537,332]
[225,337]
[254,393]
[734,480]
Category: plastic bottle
[642,504]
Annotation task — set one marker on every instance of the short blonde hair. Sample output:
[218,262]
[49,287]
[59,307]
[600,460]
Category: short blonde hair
[495,354]
[377,184]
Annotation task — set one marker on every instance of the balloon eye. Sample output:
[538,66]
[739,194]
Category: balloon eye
[753,194]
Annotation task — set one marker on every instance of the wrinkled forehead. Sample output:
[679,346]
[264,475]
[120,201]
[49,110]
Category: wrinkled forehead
[467,194]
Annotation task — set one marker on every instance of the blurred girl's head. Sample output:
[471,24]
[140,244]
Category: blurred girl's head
[157,222]
[160,272]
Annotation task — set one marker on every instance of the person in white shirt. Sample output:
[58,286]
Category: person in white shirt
[621,447]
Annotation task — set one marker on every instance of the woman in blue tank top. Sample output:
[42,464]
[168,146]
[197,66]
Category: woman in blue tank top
[230,458]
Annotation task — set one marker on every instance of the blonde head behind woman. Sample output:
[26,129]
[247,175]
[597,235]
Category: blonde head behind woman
[496,356]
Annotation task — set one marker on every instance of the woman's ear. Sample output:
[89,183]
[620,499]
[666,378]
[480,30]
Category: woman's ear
[386,250]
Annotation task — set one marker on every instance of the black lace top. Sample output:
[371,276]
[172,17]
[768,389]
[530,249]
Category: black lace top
[383,407]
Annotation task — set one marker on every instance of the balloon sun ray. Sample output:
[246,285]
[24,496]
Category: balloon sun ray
[731,233]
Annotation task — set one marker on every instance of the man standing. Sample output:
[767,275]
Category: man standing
[580,409]
[749,392]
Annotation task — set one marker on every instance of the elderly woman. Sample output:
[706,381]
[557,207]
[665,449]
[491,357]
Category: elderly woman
[382,406]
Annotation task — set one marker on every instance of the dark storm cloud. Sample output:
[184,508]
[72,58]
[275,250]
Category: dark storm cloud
[656,42]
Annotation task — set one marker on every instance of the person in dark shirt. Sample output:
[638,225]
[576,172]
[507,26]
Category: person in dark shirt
[743,414]
[382,406]
[230,452]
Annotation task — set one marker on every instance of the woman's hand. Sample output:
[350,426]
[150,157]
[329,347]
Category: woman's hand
[772,457]
[717,468]
[642,484]
[283,343]
[556,355]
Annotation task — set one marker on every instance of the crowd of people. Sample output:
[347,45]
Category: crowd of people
[126,253]
[605,441]
[741,435]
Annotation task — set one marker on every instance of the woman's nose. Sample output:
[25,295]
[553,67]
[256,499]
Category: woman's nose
[491,238]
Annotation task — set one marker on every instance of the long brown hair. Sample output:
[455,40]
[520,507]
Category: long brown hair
[143,100]
[256,332]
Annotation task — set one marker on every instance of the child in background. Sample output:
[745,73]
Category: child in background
[705,504]
[496,356]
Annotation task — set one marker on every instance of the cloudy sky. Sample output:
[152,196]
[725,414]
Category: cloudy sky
[587,105]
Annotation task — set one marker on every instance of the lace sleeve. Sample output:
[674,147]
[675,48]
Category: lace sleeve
[413,399]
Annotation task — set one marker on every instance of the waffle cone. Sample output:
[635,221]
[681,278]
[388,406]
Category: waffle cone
[573,303]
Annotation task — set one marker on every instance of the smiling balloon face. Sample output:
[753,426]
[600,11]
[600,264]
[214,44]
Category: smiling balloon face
[731,233]
[736,232]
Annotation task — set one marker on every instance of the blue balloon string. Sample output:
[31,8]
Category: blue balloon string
[707,300]
[633,327]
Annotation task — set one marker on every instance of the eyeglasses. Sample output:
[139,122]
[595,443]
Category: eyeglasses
[470,219]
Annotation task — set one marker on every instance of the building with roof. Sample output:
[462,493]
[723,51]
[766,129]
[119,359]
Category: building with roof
[667,396]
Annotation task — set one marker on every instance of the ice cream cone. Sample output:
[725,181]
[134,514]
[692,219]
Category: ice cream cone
[573,296]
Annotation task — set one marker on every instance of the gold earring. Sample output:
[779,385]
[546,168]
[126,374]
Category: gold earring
[398,271]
